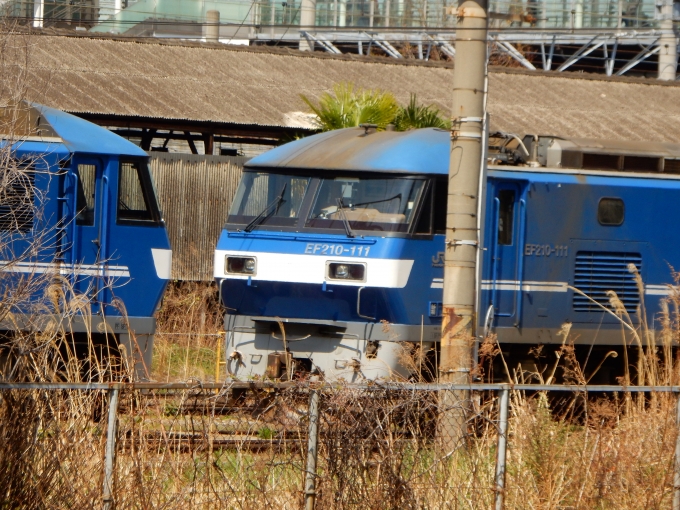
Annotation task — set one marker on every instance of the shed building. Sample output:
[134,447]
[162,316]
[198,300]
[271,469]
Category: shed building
[205,94]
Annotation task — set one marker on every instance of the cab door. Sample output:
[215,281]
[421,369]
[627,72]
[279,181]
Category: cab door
[506,258]
[88,181]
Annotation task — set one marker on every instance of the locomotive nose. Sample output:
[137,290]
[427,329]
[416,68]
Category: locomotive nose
[162,261]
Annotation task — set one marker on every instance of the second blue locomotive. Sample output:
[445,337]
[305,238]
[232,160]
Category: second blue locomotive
[81,233]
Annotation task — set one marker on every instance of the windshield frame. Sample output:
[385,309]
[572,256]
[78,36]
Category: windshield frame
[309,200]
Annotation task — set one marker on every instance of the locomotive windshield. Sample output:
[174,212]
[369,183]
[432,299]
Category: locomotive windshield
[273,199]
[367,204]
[343,203]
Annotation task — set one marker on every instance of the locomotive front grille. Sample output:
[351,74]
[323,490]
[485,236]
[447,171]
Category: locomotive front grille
[597,272]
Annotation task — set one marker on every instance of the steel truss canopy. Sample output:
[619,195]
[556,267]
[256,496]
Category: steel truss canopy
[613,38]
[604,47]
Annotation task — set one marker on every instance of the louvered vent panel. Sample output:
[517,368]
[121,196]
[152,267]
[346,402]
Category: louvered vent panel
[16,198]
[597,272]
[672,166]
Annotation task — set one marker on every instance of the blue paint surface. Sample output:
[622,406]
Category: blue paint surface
[84,252]
[526,281]
[82,136]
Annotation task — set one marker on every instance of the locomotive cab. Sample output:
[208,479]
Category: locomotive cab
[316,258]
[90,248]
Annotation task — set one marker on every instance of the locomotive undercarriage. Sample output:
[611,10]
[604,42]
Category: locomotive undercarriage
[265,347]
[286,349]
[130,340]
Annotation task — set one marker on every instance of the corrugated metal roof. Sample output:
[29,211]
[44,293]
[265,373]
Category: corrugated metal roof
[194,193]
[216,83]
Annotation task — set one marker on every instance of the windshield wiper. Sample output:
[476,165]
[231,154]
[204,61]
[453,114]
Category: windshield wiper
[267,211]
[398,195]
[341,212]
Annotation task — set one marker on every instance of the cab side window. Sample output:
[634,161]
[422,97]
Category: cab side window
[136,200]
[506,214]
[610,211]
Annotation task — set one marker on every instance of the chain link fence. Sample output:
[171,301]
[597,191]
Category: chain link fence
[300,445]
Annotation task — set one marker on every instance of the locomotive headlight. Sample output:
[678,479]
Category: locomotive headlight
[342,271]
[240,265]
[249,265]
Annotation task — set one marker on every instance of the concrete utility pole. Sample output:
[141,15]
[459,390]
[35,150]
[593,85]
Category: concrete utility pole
[212,27]
[38,13]
[307,22]
[462,235]
[668,43]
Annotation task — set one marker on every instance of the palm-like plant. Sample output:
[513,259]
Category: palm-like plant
[347,108]
[415,116]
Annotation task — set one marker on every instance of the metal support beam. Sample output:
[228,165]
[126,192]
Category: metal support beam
[109,455]
[512,51]
[38,13]
[550,55]
[646,52]
[585,50]
[323,42]
[612,60]
[676,474]
[147,137]
[191,143]
[544,60]
[383,45]
[575,45]
[501,451]
[208,143]
[312,450]
[248,140]
[443,45]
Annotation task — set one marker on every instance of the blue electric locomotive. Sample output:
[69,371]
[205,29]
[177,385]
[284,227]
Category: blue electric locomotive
[91,226]
[333,252]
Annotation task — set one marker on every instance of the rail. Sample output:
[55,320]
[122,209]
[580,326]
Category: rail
[392,386]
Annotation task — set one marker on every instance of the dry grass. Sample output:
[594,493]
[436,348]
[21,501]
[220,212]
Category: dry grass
[378,447]
[188,332]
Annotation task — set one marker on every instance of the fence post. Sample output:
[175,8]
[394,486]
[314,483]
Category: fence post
[502,447]
[312,440]
[110,448]
[676,475]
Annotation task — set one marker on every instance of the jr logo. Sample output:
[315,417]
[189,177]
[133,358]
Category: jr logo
[438,260]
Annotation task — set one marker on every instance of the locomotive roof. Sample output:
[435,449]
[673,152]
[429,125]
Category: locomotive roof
[40,123]
[421,151]
[359,149]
